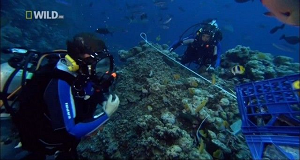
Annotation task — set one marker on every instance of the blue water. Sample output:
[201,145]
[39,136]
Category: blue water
[241,23]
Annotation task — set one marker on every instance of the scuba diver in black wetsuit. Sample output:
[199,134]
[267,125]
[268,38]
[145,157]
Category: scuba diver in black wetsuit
[57,105]
[204,47]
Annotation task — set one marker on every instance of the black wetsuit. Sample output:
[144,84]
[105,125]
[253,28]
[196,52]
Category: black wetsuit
[51,117]
[200,54]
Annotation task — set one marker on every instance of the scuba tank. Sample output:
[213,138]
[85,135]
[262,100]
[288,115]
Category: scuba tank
[6,71]
[14,73]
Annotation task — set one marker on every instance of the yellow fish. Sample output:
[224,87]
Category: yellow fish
[213,79]
[238,69]
[158,38]
[296,86]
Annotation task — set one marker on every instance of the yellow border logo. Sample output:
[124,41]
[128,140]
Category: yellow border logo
[28,15]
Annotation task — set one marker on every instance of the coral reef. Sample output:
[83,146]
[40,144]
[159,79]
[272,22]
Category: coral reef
[258,65]
[159,114]
[161,104]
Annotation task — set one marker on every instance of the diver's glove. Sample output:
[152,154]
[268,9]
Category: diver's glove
[110,106]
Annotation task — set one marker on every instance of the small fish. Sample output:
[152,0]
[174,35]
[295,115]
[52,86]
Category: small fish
[291,40]
[242,1]
[144,16]
[91,4]
[63,2]
[160,3]
[275,29]
[284,47]
[103,31]
[158,38]
[181,9]
[238,69]
[218,154]
[167,21]
[140,6]
[213,79]
[286,11]
[296,86]
[165,27]
[261,26]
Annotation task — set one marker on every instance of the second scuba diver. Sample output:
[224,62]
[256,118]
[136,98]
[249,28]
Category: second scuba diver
[203,48]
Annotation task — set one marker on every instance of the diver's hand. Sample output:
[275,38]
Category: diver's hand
[110,106]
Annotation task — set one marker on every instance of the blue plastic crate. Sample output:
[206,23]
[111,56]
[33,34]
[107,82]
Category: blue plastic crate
[258,144]
[270,112]
[270,106]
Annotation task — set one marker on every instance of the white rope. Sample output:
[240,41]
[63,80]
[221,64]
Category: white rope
[197,132]
[144,37]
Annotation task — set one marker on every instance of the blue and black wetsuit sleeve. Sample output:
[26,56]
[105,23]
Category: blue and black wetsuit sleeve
[180,42]
[59,99]
[218,56]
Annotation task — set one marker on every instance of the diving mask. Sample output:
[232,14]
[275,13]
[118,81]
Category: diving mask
[98,69]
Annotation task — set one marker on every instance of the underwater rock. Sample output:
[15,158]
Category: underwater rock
[239,54]
[195,154]
[133,98]
[203,114]
[224,102]
[267,57]
[112,148]
[168,132]
[174,152]
[221,145]
[157,88]
[146,122]
[219,124]
[258,65]
[149,108]
[185,142]
[282,60]
[124,55]
[168,117]
[284,70]
[138,133]
[243,152]
[194,82]
[255,70]
[136,50]
[223,115]
[165,47]
[211,134]
[222,137]
[198,92]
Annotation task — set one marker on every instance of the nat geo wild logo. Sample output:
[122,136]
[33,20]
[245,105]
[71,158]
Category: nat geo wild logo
[43,15]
